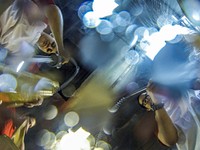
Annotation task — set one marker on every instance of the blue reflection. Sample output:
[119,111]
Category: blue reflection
[3,54]
[107,37]
[140,32]
[8,83]
[105,27]
[123,18]
[84,8]
[132,57]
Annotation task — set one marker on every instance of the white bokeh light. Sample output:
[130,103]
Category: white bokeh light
[105,27]
[50,112]
[123,18]
[46,139]
[75,140]
[103,8]
[71,119]
[91,20]
[153,43]
[84,8]
[132,57]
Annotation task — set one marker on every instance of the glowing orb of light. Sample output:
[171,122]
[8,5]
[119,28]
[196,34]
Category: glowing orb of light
[196,16]
[108,37]
[103,145]
[130,31]
[105,27]
[123,18]
[8,83]
[84,8]
[91,20]
[132,57]
[50,112]
[71,119]
[137,11]
[75,140]
[46,139]
[43,83]
[60,134]
[141,32]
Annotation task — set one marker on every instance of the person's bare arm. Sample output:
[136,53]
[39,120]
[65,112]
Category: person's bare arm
[55,21]
[166,131]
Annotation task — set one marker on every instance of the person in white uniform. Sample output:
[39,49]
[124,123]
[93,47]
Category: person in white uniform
[23,22]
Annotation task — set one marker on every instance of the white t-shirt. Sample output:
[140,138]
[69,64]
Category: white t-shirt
[16,29]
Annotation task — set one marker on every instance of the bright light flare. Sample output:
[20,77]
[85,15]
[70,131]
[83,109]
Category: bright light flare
[75,140]
[156,41]
[103,8]
[91,20]
[196,16]
[134,41]
[19,66]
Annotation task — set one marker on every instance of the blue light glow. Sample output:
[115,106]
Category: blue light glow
[8,83]
[91,20]
[105,27]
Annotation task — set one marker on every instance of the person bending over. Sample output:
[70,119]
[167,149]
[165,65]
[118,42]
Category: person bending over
[25,21]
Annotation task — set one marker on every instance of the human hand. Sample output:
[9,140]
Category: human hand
[64,55]
[37,102]
[151,89]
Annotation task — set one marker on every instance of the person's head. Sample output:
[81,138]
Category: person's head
[145,100]
[47,43]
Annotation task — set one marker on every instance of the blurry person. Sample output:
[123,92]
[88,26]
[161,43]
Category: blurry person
[20,132]
[14,126]
[46,43]
[143,123]
[182,105]
[184,111]
[25,20]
